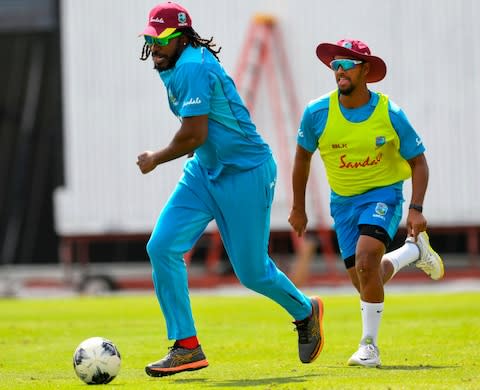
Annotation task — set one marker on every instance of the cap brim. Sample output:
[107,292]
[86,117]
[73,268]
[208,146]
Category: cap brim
[149,30]
[326,52]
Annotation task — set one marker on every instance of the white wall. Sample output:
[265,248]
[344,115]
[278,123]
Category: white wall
[115,105]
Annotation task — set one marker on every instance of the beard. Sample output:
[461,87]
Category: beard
[346,91]
[169,62]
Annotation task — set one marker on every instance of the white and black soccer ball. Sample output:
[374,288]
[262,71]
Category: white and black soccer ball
[96,361]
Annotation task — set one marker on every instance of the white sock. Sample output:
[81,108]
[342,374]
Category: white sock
[403,256]
[371,318]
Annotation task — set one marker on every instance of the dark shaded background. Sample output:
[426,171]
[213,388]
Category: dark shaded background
[30,129]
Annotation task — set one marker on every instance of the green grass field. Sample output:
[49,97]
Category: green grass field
[427,341]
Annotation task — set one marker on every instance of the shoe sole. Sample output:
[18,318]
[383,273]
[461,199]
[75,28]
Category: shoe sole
[359,364]
[320,322]
[437,256]
[440,263]
[158,372]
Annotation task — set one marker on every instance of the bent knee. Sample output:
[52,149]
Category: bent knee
[253,282]
[151,247]
[367,262]
[159,245]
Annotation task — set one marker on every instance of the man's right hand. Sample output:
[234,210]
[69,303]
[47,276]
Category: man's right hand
[298,220]
[146,161]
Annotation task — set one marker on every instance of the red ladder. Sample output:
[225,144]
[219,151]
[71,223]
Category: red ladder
[263,42]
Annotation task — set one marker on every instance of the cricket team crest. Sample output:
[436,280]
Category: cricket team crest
[182,18]
[171,97]
[380,141]
[381,210]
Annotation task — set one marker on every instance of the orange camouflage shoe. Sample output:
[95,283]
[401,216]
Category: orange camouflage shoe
[310,333]
[178,360]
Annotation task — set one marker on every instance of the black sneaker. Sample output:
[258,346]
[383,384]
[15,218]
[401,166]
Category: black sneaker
[310,333]
[177,360]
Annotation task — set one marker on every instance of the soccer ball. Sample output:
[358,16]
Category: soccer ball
[96,361]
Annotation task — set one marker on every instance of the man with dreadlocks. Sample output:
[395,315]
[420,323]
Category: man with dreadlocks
[229,177]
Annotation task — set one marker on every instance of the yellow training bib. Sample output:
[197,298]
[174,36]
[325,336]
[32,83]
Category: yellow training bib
[361,156]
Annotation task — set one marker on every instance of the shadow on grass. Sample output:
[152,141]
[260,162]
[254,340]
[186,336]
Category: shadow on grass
[236,383]
[414,368]
[399,367]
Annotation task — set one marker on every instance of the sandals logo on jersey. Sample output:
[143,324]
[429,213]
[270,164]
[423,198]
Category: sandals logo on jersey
[380,141]
[380,210]
[367,162]
[192,101]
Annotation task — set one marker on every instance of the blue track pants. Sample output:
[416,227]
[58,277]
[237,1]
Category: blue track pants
[240,203]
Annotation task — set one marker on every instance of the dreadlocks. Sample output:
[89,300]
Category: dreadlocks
[145,52]
[194,39]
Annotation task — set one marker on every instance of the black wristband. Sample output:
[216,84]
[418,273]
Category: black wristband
[416,207]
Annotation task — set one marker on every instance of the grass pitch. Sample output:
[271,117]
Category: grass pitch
[427,341]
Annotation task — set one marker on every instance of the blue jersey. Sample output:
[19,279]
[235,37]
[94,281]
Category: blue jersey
[315,117]
[198,85]
[231,179]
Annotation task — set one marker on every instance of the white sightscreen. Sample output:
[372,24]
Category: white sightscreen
[115,105]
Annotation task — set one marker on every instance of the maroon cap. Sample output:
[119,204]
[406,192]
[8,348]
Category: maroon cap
[165,18]
[356,50]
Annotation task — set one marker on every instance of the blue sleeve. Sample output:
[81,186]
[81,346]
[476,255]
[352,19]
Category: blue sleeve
[304,134]
[311,127]
[194,88]
[411,144]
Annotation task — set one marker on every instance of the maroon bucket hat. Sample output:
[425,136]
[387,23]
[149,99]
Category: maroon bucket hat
[356,50]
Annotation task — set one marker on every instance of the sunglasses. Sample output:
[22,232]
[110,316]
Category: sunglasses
[346,64]
[150,40]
